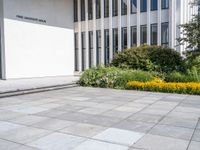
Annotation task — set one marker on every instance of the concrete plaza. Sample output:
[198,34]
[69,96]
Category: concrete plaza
[82,118]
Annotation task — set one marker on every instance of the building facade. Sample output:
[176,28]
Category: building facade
[105,27]
[40,38]
[37,38]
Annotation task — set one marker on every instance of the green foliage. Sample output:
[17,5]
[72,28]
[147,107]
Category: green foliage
[112,77]
[166,60]
[190,32]
[133,58]
[190,76]
[150,58]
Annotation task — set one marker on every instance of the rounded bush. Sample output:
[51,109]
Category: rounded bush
[150,58]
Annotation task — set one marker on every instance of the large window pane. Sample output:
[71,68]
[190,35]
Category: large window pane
[75,10]
[83,50]
[124,7]
[124,38]
[82,10]
[154,5]
[133,6]
[143,35]
[165,4]
[165,34]
[106,8]
[76,52]
[134,36]
[154,34]
[98,46]
[90,10]
[91,62]
[106,44]
[115,7]
[143,5]
[98,9]
[115,41]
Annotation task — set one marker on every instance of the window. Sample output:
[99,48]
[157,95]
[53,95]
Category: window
[165,4]
[115,41]
[98,9]
[82,10]
[154,5]
[134,36]
[106,8]
[124,7]
[76,52]
[106,44]
[133,6]
[143,5]
[91,62]
[124,38]
[154,34]
[98,46]
[90,10]
[115,7]
[83,50]
[143,35]
[165,34]
[75,10]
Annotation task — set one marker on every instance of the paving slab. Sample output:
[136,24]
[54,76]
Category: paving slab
[171,131]
[23,135]
[194,145]
[155,142]
[196,136]
[57,141]
[83,129]
[118,136]
[99,145]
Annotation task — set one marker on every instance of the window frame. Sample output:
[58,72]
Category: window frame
[152,5]
[152,41]
[165,43]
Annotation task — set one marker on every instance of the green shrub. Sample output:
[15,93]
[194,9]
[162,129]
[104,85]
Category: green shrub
[166,60]
[112,77]
[133,58]
[190,76]
[150,58]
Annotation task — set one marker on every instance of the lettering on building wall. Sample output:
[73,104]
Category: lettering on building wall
[31,19]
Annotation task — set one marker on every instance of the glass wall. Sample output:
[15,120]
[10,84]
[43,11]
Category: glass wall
[90,10]
[98,34]
[115,41]
[154,5]
[115,7]
[76,58]
[165,4]
[154,34]
[82,10]
[124,7]
[165,34]
[133,36]
[75,10]
[124,38]
[91,62]
[98,9]
[133,6]
[106,46]
[143,34]
[143,5]
[83,51]
[106,8]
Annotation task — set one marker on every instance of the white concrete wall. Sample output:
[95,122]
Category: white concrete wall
[36,49]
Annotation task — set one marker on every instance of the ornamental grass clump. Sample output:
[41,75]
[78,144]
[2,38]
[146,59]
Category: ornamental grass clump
[167,87]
